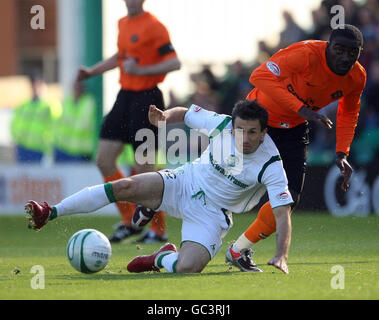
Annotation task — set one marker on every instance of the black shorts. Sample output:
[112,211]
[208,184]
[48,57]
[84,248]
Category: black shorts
[293,148]
[130,114]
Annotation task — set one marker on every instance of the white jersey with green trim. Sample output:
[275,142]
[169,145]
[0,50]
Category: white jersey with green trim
[228,178]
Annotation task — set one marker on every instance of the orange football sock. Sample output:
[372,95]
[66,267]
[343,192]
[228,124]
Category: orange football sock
[158,224]
[126,208]
[263,226]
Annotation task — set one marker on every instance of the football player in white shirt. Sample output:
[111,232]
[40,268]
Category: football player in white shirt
[239,165]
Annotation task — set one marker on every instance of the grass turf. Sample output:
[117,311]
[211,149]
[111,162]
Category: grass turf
[319,242]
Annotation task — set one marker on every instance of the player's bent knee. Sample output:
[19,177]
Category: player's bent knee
[188,267]
[191,264]
[193,258]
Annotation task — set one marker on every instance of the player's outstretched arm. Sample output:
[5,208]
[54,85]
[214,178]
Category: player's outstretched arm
[99,68]
[345,169]
[130,66]
[307,114]
[283,240]
[170,116]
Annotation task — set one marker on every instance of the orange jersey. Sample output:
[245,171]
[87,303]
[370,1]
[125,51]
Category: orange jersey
[299,76]
[145,39]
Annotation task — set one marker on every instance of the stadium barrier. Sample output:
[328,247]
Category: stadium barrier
[322,192]
[20,183]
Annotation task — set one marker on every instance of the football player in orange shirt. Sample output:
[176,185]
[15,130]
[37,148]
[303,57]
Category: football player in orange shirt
[145,55]
[293,85]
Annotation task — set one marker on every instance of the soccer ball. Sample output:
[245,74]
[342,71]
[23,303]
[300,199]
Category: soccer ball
[88,251]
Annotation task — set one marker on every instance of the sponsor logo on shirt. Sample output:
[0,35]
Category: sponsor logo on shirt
[283,196]
[273,67]
[338,94]
[225,173]
[308,103]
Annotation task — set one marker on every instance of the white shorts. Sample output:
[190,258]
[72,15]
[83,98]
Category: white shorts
[203,222]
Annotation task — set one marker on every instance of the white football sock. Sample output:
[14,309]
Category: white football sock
[86,200]
[169,261]
[242,243]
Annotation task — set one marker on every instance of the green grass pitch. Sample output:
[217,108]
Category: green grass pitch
[319,242]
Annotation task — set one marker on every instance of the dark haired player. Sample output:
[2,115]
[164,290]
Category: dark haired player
[293,85]
[145,55]
[239,165]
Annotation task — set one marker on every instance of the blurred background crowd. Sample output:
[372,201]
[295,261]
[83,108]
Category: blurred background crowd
[69,126]
[220,93]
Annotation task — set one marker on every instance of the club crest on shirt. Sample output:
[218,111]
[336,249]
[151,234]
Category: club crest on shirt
[232,161]
[134,38]
[273,67]
[282,196]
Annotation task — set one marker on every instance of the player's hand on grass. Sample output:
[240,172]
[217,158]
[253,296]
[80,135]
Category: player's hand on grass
[83,74]
[279,263]
[305,113]
[156,115]
[346,170]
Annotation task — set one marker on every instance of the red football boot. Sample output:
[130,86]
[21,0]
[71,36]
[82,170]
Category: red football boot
[39,214]
[148,263]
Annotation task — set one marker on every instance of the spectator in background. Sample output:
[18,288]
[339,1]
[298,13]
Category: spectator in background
[292,32]
[75,130]
[373,6]
[321,21]
[235,86]
[369,31]
[370,115]
[32,124]
[351,11]
[368,127]
[209,77]
[204,94]
[264,52]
